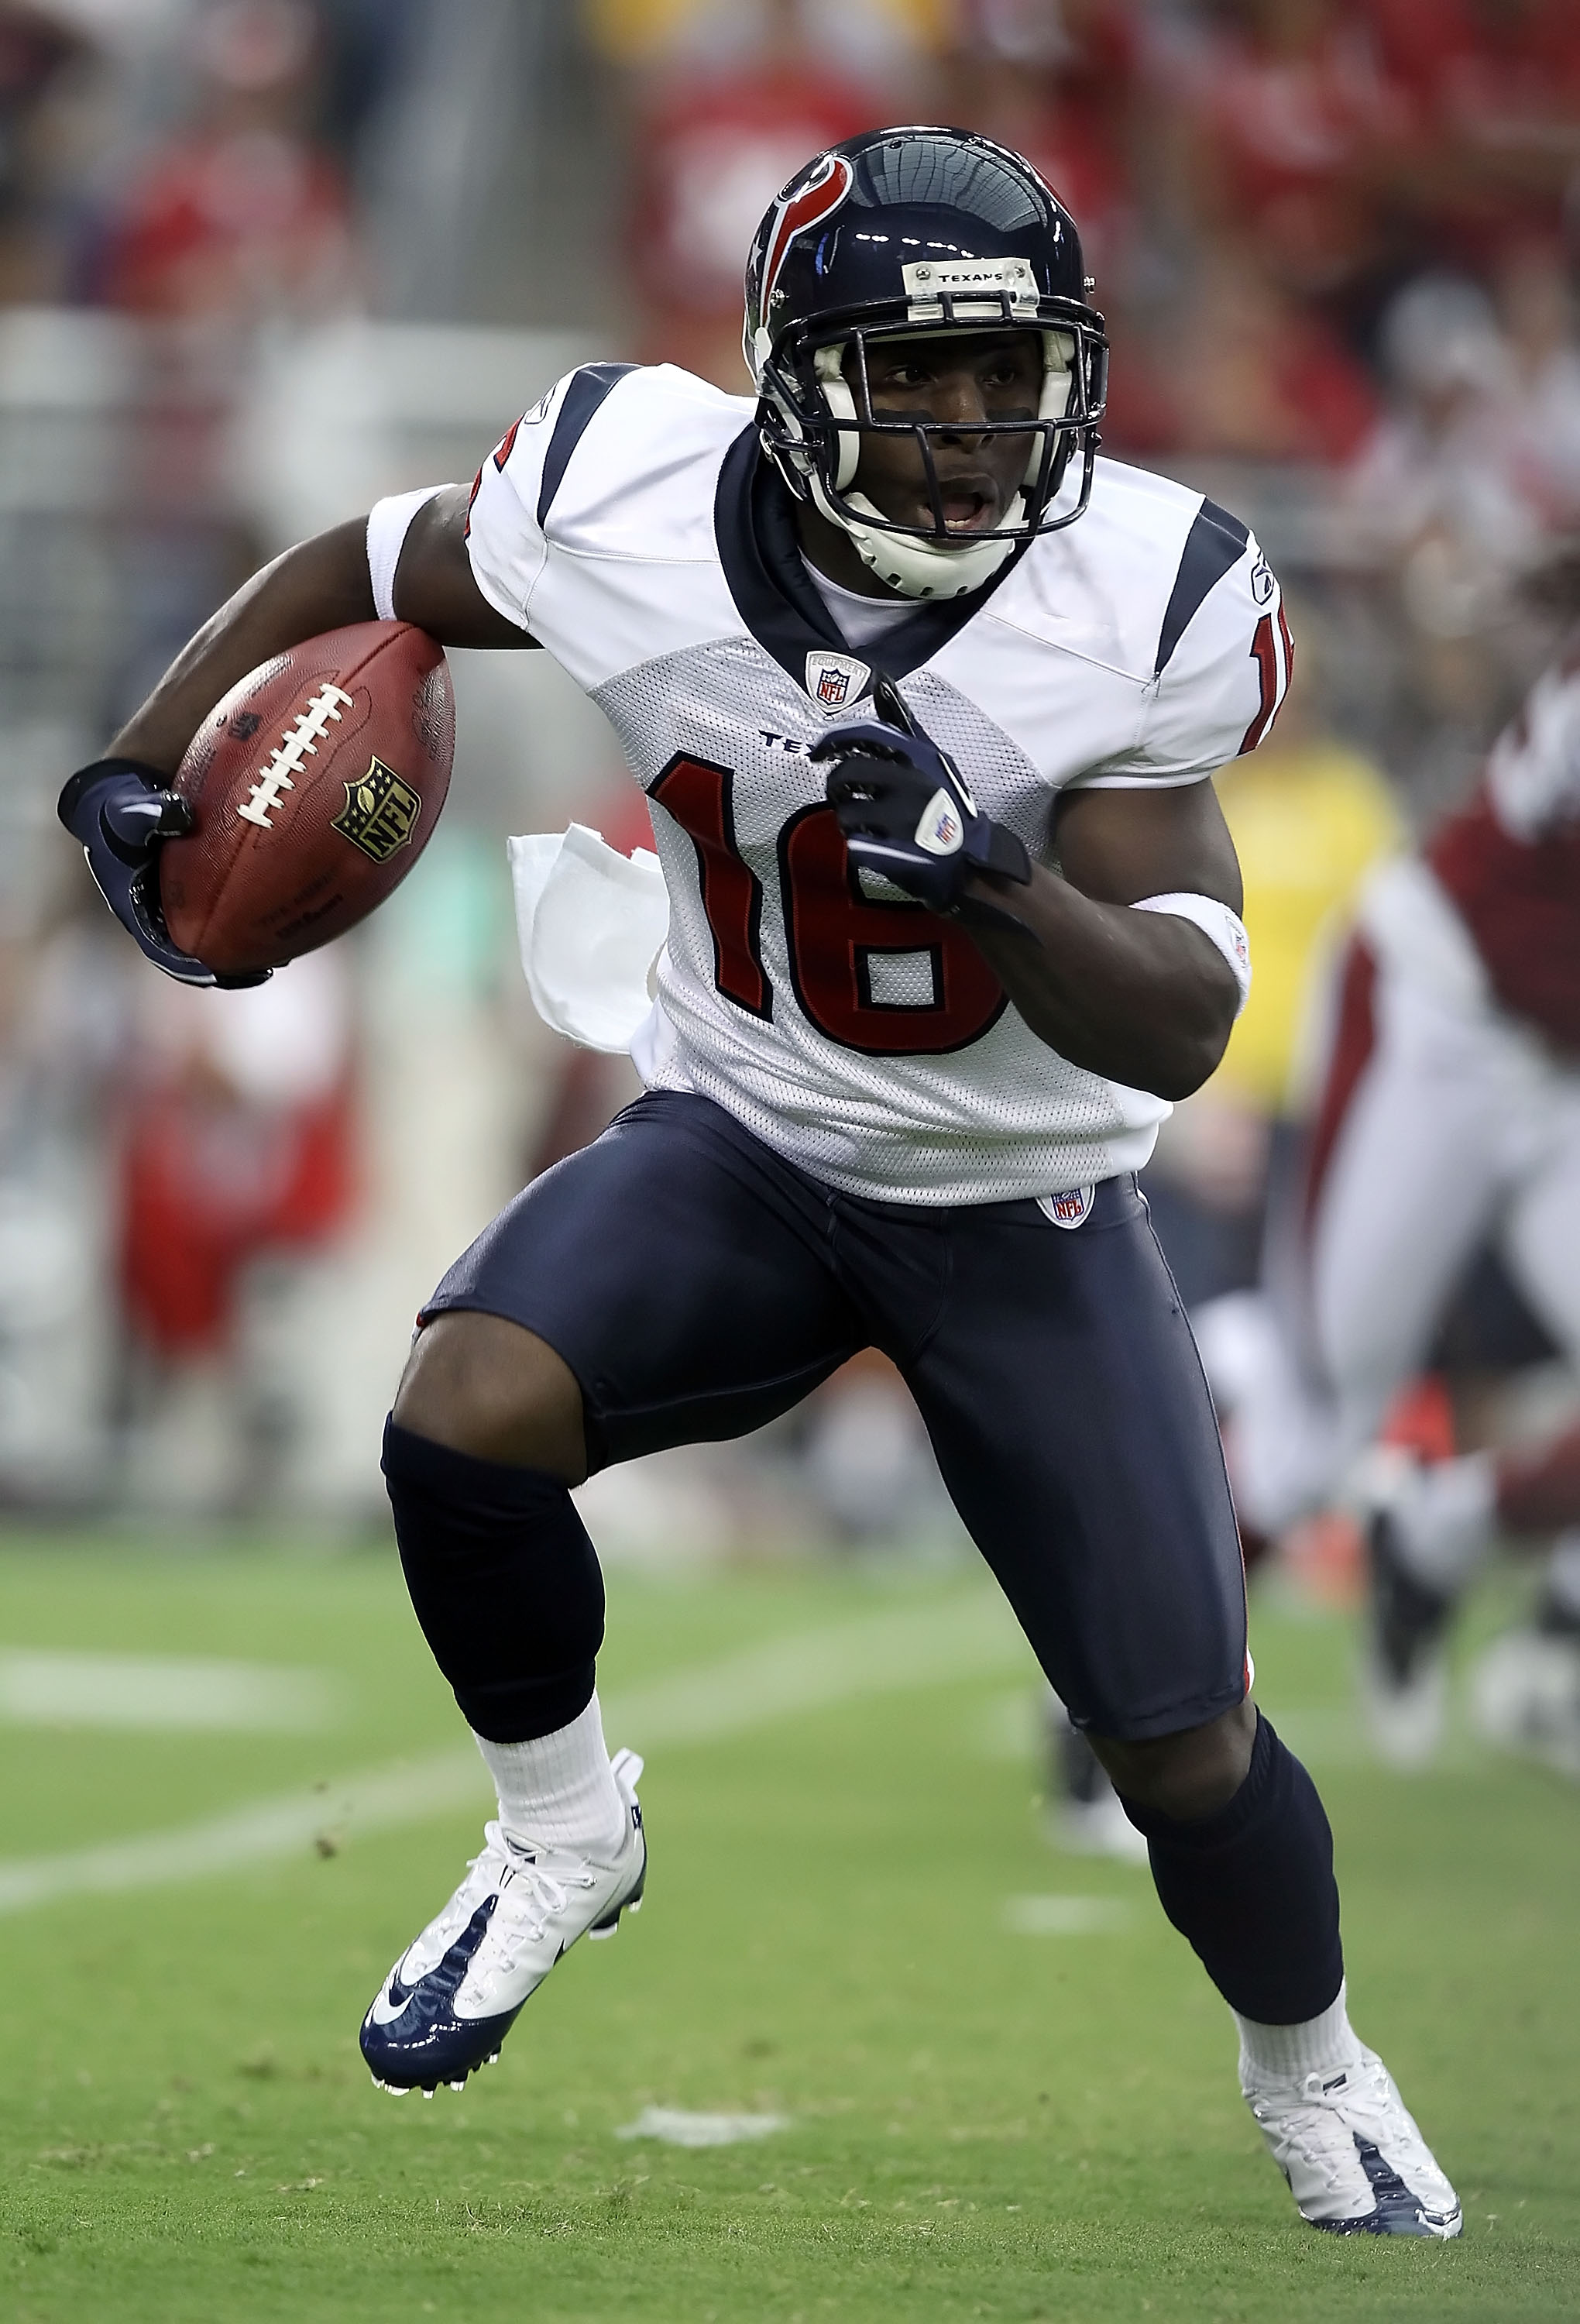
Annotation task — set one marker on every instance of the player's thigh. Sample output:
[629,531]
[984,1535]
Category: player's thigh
[1066,1403]
[675,1266]
[1541,1231]
[1408,1193]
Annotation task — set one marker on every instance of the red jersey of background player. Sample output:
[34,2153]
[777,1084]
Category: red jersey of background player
[1510,859]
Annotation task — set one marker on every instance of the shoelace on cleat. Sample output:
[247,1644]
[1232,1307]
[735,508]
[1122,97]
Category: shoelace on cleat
[447,1925]
[528,1900]
[1315,2129]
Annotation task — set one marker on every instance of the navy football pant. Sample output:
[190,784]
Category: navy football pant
[698,1285]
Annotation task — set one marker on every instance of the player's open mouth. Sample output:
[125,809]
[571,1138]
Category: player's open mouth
[969,508]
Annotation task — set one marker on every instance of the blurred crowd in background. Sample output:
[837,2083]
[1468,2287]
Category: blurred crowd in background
[261,260]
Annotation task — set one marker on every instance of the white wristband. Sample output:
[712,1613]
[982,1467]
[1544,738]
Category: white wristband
[388,524]
[1221,926]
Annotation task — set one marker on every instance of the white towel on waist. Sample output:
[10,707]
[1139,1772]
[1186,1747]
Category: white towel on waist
[591,923]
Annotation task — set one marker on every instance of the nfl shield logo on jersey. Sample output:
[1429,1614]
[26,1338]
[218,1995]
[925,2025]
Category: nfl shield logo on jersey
[1067,1209]
[833,679]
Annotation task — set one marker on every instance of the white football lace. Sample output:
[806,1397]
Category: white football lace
[529,1900]
[1317,2132]
[445,1927]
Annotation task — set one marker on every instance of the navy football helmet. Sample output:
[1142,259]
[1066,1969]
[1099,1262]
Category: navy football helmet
[898,232]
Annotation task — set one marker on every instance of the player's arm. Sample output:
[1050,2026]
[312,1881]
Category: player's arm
[321,584]
[1145,997]
[121,808]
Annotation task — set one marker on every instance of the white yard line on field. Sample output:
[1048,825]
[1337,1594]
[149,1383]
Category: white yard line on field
[963,1638]
[679,2126]
[42,1687]
[1066,1916]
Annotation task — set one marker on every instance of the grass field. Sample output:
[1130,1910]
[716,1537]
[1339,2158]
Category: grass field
[979,2119]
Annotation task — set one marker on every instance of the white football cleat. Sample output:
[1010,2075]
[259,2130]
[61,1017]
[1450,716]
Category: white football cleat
[1087,1819]
[1525,1695]
[1098,1827]
[1355,2163]
[456,1992]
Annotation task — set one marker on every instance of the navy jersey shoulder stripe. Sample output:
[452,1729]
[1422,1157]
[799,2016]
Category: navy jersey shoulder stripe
[584,396]
[1217,541]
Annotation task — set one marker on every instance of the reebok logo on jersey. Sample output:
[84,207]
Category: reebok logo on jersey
[940,831]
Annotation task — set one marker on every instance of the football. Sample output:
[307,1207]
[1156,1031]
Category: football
[314,786]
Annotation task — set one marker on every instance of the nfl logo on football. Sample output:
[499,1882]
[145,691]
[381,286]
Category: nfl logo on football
[834,686]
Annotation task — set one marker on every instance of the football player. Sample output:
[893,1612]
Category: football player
[926,701]
[1450,1116]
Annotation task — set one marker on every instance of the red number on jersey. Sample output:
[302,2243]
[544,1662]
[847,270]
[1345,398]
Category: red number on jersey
[1265,653]
[697,794]
[892,980]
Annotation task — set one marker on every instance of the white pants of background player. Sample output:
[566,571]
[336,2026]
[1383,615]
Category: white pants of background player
[1462,1128]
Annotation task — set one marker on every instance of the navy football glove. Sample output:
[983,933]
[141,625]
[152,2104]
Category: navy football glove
[120,811]
[906,811]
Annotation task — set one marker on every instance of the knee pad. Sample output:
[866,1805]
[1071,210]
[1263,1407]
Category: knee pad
[504,1580]
[1251,1888]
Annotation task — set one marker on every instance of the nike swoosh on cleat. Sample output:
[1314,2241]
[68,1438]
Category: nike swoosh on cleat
[1399,2212]
[397,1997]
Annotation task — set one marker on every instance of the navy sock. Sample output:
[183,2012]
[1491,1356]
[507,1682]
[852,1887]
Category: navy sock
[1252,1888]
[504,1581]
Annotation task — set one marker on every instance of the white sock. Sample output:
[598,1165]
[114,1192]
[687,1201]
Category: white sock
[557,1791]
[1443,1521]
[1285,2053]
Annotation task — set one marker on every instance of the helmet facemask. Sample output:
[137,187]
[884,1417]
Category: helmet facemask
[815,417]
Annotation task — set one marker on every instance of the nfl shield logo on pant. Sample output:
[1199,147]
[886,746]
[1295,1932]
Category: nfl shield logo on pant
[1067,1209]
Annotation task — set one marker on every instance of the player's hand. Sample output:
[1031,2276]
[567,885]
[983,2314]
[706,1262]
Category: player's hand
[906,812]
[120,812]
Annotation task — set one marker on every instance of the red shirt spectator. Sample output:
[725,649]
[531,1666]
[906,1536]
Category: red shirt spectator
[1260,376]
[242,219]
[712,155]
[246,224]
[237,1138]
[1291,120]
[1495,91]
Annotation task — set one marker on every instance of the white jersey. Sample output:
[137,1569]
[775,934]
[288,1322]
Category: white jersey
[632,525]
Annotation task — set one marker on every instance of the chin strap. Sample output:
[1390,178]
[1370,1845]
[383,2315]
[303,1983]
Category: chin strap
[915,567]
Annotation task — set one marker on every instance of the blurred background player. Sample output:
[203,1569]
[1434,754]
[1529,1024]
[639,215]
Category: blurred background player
[1449,1119]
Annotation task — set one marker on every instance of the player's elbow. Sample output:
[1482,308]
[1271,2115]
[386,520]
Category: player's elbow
[1191,1049]
[1187,1065]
